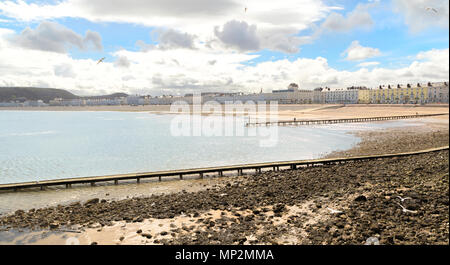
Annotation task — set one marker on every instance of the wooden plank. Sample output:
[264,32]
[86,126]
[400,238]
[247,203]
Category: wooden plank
[333,121]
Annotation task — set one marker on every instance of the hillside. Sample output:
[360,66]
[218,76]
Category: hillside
[46,94]
[111,96]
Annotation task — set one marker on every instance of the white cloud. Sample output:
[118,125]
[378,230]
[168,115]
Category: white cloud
[5,21]
[51,36]
[238,34]
[356,52]
[277,22]
[418,18]
[169,39]
[433,55]
[122,61]
[357,18]
[368,64]
[64,70]
[180,71]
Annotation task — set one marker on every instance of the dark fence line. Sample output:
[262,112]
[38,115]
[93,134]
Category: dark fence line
[333,121]
[201,171]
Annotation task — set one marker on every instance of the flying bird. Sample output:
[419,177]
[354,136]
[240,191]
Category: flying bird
[431,9]
[101,60]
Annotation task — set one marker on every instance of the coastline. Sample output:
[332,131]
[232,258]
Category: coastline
[285,111]
[252,210]
[433,133]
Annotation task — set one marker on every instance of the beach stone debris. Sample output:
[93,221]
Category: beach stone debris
[54,225]
[147,235]
[378,216]
[372,241]
[279,208]
[92,201]
[361,198]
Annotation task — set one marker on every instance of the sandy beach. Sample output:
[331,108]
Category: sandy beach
[285,111]
[395,200]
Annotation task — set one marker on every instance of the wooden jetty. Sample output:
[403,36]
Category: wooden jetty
[334,121]
[257,167]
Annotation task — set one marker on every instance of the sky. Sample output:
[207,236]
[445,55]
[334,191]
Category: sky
[162,47]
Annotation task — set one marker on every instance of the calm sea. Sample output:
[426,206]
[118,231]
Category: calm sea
[38,145]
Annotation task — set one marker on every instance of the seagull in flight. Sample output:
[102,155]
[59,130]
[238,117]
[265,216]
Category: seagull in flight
[431,9]
[406,210]
[101,60]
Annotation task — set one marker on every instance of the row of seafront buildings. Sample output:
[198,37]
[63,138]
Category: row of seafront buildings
[437,92]
[384,94]
[25,103]
[420,93]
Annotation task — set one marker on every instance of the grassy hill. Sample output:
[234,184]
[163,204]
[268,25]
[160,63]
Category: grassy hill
[34,93]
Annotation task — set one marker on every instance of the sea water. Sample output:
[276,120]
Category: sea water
[43,145]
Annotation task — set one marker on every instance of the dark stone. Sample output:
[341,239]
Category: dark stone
[361,198]
[92,201]
[147,235]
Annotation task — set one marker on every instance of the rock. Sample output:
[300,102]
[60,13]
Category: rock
[372,241]
[248,218]
[361,198]
[147,235]
[279,208]
[54,225]
[375,228]
[139,231]
[92,201]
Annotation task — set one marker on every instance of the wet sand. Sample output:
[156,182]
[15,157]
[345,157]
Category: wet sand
[285,111]
[336,204]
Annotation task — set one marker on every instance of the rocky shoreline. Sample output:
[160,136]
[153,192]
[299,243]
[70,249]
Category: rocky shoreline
[394,201]
[395,140]
[355,201]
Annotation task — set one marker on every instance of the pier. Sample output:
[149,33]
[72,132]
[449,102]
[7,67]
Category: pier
[334,121]
[239,169]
